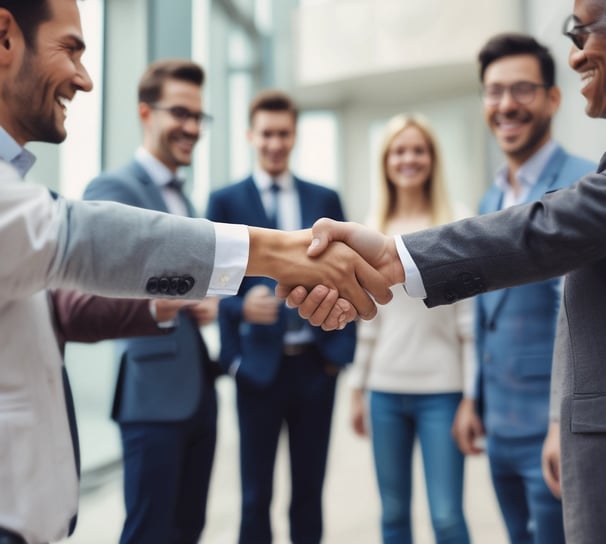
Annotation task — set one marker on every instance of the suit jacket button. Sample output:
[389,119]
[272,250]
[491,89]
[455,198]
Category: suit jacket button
[174,285]
[450,296]
[152,285]
[185,284]
[163,285]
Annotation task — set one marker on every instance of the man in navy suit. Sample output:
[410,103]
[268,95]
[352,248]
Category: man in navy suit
[165,399]
[515,327]
[285,370]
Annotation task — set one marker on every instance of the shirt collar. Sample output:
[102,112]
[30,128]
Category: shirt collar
[263,180]
[159,173]
[12,152]
[530,172]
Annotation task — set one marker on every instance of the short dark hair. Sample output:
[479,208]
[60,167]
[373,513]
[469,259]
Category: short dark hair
[272,100]
[509,44]
[29,15]
[158,72]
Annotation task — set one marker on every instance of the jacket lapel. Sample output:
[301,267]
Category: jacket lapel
[547,180]
[150,191]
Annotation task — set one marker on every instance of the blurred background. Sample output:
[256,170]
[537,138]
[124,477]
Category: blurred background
[350,64]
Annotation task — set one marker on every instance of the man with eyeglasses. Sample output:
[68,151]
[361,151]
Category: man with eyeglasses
[562,233]
[515,327]
[165,401]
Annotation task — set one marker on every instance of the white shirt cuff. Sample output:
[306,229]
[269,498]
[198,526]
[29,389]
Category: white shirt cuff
[413,283]
[231,259]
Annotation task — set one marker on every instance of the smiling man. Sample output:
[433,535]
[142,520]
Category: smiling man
[100,247]
[285,370]
[563,233]
[165,401]
[515,328]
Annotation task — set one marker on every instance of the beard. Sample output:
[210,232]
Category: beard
[32,103]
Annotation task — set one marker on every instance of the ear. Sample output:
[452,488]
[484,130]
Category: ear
[144,110]
[555,97]
[7,29]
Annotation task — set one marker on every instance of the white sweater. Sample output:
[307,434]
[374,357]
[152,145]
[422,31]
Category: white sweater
[408,348]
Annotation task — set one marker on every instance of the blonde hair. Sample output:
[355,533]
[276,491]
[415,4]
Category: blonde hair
[435,186]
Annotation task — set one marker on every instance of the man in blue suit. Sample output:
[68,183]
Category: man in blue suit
[165,399]
[285,370]
[515,327]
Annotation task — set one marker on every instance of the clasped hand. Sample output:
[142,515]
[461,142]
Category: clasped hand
[378,268]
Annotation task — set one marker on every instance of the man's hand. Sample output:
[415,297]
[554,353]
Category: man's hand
[467,428]
[166,309]
[260,306]
[551,459]
[205,311]
[359,412]
[376,248]
[283,256]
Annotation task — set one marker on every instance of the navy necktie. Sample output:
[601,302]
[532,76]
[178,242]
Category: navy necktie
[274,211]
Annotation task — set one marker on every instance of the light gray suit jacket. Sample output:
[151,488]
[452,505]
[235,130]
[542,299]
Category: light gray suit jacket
[564,233]
[102,247]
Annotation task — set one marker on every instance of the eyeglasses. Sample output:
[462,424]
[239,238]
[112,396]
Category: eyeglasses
[579,34]
[182,114]
[523,92]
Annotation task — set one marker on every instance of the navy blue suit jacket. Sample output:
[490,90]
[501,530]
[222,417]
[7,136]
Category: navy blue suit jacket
[161,377]
[515,329]
[259,347]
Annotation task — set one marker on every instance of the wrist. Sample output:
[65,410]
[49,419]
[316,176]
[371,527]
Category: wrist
[160,323]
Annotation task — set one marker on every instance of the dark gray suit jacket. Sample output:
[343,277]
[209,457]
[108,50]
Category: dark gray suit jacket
[161,378]
[563,233]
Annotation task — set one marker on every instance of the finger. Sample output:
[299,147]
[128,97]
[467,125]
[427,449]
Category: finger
[323,232]
[374,282]
[341,314]
[293,296]
[318,303]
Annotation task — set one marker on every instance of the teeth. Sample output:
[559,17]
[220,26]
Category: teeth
[63,101]
[587,78]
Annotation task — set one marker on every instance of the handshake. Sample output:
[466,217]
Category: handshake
[332,273]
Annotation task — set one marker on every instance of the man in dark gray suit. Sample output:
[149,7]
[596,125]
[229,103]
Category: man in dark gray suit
[165,400]
[563,233]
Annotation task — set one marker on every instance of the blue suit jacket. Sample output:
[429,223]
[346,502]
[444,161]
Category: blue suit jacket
[160,377]
[259,347]
[515,329]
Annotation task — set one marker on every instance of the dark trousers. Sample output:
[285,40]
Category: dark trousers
[302,397]
[8,537]
[167,468]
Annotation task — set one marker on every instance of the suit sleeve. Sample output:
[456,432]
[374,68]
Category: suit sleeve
[563,231]
[81,317]
[99,247]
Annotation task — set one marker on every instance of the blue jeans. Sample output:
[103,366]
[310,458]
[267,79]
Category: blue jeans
[396,419]
[531,513]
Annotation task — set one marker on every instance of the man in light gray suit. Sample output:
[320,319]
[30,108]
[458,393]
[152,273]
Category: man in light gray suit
[105,248]
[563,233]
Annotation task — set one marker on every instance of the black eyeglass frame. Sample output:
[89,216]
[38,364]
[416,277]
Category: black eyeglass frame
[183,114]
[514,91]
[579,34]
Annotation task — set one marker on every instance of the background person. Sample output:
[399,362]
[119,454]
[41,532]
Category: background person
[165,401]
[285,370]
[413,363]
[515,328]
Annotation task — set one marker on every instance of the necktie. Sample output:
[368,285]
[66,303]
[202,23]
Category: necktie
[274,211]
[176,184]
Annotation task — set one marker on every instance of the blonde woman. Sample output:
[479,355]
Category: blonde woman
[414,363]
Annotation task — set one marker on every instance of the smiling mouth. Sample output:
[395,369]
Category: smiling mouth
[63,102]
[586,78]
